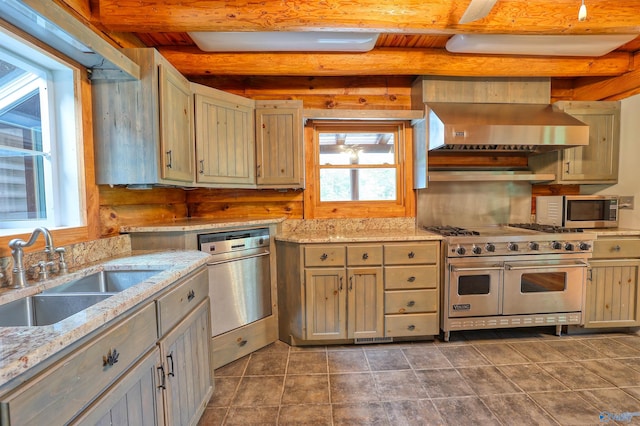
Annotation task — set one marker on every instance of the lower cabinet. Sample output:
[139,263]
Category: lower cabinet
[186,358]
[151,367]
[613,293]
[357,291]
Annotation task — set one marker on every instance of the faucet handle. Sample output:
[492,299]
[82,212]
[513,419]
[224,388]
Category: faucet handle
[62,265]
[43,274]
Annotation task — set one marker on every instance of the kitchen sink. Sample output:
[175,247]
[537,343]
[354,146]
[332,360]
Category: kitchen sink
[112,281]
[46,309]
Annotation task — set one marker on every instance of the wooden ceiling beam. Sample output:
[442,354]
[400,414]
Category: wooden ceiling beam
[611,88]
[391,16]
[391,61]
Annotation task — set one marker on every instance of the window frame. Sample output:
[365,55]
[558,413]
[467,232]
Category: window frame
[402,206]
[87,190]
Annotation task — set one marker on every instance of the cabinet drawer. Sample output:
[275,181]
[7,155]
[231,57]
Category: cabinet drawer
[177,303]
[411,325]
[409,254]
[620,248]
[364,255]
[68,386]
[402,277]
[324,256]
[410,301]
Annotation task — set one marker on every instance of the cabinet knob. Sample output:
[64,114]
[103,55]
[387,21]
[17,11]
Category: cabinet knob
[242,342]
[365,256]
[616,248]
[411,303]
[411,327]
[324,256]
[191,295]
[411,279]
[411,255]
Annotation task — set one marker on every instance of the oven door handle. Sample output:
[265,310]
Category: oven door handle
[480,268]
[547,266]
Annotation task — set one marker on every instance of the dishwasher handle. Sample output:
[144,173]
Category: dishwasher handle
[236,258]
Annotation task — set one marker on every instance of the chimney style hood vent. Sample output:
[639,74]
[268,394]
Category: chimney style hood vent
[530,128]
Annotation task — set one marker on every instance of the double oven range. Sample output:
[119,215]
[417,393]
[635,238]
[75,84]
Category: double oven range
[516,275]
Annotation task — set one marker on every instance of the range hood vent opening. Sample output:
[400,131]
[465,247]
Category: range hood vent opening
[524,128]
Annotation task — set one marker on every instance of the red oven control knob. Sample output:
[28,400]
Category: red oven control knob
[512,247]
[534,246]
[490,247]
[460,250]
[569,247]
[476,250]
[585,246]
[556,245]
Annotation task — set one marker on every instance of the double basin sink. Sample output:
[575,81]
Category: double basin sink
[57,303]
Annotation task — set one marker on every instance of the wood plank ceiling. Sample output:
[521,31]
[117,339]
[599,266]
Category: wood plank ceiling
[412,40]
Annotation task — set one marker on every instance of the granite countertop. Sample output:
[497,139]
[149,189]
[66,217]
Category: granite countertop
[616,232]
[345,236]
[24,347]
[196,224]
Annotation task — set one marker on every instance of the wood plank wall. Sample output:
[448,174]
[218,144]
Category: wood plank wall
[120,206]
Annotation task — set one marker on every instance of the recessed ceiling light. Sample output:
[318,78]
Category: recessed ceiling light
[544,45]
[314,41]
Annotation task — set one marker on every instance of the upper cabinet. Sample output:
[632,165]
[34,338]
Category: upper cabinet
[279,144]
[596,163]
[144,128]
[225,143]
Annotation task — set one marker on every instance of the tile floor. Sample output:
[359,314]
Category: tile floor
[492,377]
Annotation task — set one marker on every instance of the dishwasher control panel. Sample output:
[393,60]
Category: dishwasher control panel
[235,243]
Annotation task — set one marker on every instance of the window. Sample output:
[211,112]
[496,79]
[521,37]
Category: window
[359,169]
[39,157]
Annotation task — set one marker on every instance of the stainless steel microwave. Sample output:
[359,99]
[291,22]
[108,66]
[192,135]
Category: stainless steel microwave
[578,211]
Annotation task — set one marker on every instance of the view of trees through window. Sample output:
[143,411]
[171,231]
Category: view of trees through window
[358,163]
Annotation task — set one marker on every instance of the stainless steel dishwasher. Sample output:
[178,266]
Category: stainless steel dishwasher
[239,277]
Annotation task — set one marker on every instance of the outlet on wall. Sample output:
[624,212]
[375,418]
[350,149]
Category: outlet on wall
[626,202]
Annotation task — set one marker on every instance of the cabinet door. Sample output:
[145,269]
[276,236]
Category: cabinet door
[366,302]
[176,141]
[326,304]
[225,143]
[598,161]
[279,144]
[136,399]
[613,298]
[186,357]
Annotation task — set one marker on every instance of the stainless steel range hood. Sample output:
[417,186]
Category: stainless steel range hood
[529,128]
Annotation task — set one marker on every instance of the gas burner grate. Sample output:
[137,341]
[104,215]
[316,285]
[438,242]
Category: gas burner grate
[549,229]
[451,231]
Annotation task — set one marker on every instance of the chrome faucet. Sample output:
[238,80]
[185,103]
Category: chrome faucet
[19,272]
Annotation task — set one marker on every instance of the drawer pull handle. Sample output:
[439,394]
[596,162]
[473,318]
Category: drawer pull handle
[324,256]
[616,248]
[411,279]
[351,283]
[411,255]
[110,358]
[365,256]
[163,379]
[170,357]
[340,288]
[242,342]
[411,303]
[191,295]
[411,327]
[169,159]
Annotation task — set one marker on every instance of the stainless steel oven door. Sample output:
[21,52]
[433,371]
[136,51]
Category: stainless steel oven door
[538,287]
[474,289]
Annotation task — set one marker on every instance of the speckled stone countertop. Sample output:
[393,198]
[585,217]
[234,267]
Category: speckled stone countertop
[616,232]
[22,348]
[200,225]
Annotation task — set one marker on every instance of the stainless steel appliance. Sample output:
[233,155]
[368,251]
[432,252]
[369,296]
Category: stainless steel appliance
[516,275]
[239,277]
[578,211]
